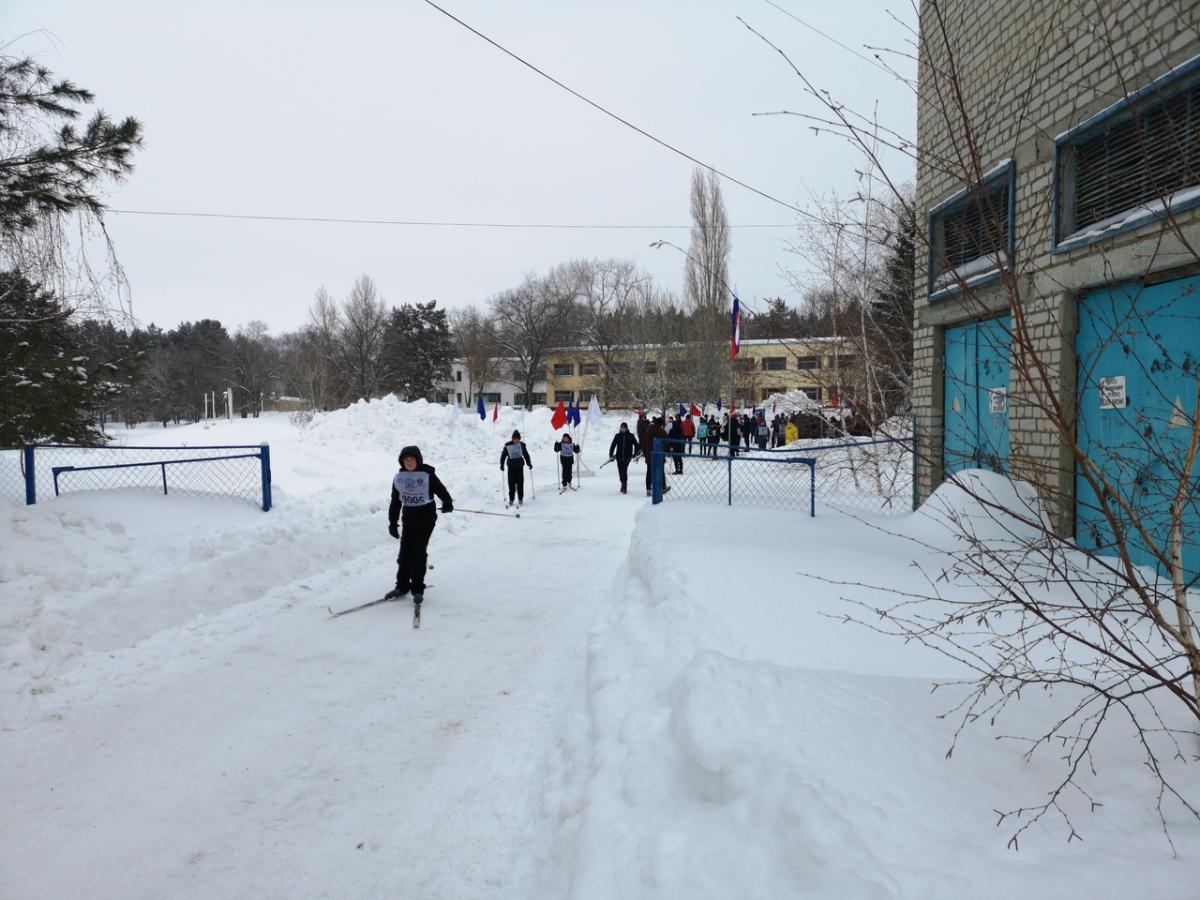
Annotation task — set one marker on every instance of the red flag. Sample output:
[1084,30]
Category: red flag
[732,407]
[696,411]
[773,407]
[496,412]
[559,419]
[833,401]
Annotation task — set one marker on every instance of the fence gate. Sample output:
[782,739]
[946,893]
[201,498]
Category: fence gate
[975,368]
[1138,350]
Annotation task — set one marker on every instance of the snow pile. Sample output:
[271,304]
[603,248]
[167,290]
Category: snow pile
[742,742]
[789,402]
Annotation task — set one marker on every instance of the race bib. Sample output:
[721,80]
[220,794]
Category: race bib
[514,451]
[568,450]
[413,488]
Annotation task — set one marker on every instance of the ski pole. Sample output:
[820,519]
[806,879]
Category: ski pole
[503,486]
[532,487]
[480,512]
[602,465]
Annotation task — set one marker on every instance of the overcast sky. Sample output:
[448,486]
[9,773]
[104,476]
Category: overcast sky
[390,110]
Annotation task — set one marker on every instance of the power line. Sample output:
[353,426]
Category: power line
[830,37]
[618,118]
[417,223]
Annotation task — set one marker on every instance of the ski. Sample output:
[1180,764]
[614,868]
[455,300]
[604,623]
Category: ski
[416,615]
[343,612]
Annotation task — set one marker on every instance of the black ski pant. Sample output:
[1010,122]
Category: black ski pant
[623,472]
[516,483]
[568,463]
[654,462]
[413,557]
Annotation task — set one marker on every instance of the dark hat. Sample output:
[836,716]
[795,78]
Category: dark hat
[413,451]
[516,435]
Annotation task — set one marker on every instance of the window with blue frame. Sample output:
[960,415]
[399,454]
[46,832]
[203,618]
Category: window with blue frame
[1130,164]
[971,233]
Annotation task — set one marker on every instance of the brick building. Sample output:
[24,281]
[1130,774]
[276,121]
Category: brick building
[1059,179]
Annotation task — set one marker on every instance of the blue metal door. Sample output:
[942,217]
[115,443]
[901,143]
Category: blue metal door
[1138,351]
[975,366]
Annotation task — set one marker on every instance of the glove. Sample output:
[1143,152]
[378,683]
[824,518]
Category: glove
[447,507]
[394,530]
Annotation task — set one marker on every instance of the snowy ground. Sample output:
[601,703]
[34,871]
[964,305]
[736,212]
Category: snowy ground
[606,700]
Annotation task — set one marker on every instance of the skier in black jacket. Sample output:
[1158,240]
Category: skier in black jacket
[515,455]
[623,448]
[567,452]
[413,490]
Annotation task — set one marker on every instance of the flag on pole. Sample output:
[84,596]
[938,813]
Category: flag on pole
[559,419]
[696,411]
[773,402]
[479,408]
[682,411]
[594,411]
[496,411]
[718,404]
[737,328]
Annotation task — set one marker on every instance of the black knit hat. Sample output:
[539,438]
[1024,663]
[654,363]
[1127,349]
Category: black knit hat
[412,450]
[516,435]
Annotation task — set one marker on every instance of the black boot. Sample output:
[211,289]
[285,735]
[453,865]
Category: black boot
[396,593]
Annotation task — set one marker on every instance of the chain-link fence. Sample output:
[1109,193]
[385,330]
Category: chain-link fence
[869,476]
[12,476]
[238,470]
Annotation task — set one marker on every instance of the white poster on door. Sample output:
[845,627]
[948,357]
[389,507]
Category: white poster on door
[1112,392]
[998,400]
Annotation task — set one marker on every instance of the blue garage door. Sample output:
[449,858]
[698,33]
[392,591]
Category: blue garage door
[975,366]
[1139,350]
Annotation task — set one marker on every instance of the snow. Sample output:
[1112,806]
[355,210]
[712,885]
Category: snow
[606,699]
[1138,215]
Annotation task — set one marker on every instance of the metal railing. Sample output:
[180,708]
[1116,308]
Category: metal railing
[51,469]
[869,476]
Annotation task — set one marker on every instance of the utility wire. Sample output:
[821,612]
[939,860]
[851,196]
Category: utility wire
[830,37]
[618,118]
[416,222]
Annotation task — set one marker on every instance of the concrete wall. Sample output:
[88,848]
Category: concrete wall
[997,81]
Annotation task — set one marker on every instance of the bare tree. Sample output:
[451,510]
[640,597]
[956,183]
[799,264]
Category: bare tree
[254,367]
[364,322]
[706,290]
[533,318]
[1111,634]
[475,337]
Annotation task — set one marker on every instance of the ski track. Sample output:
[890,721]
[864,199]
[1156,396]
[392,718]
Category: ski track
[355,737]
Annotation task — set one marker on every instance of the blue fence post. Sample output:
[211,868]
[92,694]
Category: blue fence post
[164,471]
[812,489]
[729,466]
[656,475]
[30,479]
[265,455]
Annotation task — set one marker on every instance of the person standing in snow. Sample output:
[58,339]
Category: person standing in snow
[654,461]
[413,490]
[623,448]
[689,432]
[640,427]
[515,455]
[763,432]
[675,432]
[733,435]
[566,451]
[714,436]
[702,435]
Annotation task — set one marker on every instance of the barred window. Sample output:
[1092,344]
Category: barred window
[564,369]
[1131,164]
[774,363]
[971,232]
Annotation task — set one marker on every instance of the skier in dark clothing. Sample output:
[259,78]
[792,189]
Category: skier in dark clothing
[515,455]
[641,426]
[413,490]
[567,452]
[734,435]
[654,461]
[714,436]
[747,429]
[763,432]
[623,448]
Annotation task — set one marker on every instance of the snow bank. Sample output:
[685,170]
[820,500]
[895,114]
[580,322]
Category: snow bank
[741,742]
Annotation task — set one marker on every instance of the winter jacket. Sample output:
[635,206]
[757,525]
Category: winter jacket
[702,431]
[654,431]
[414,492]
[689,428]
[567,449]
[515,454]
[640,428]
[624,446]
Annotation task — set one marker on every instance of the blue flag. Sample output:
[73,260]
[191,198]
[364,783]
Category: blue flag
[479,409]
[718,404]
[576,418]
[682,411]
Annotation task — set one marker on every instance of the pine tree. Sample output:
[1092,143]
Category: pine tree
[417,349]
[46,390]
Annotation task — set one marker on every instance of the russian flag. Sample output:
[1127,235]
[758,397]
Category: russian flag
[737,328]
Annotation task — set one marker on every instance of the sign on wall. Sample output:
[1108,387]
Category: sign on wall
[998,400]
[1112,392]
